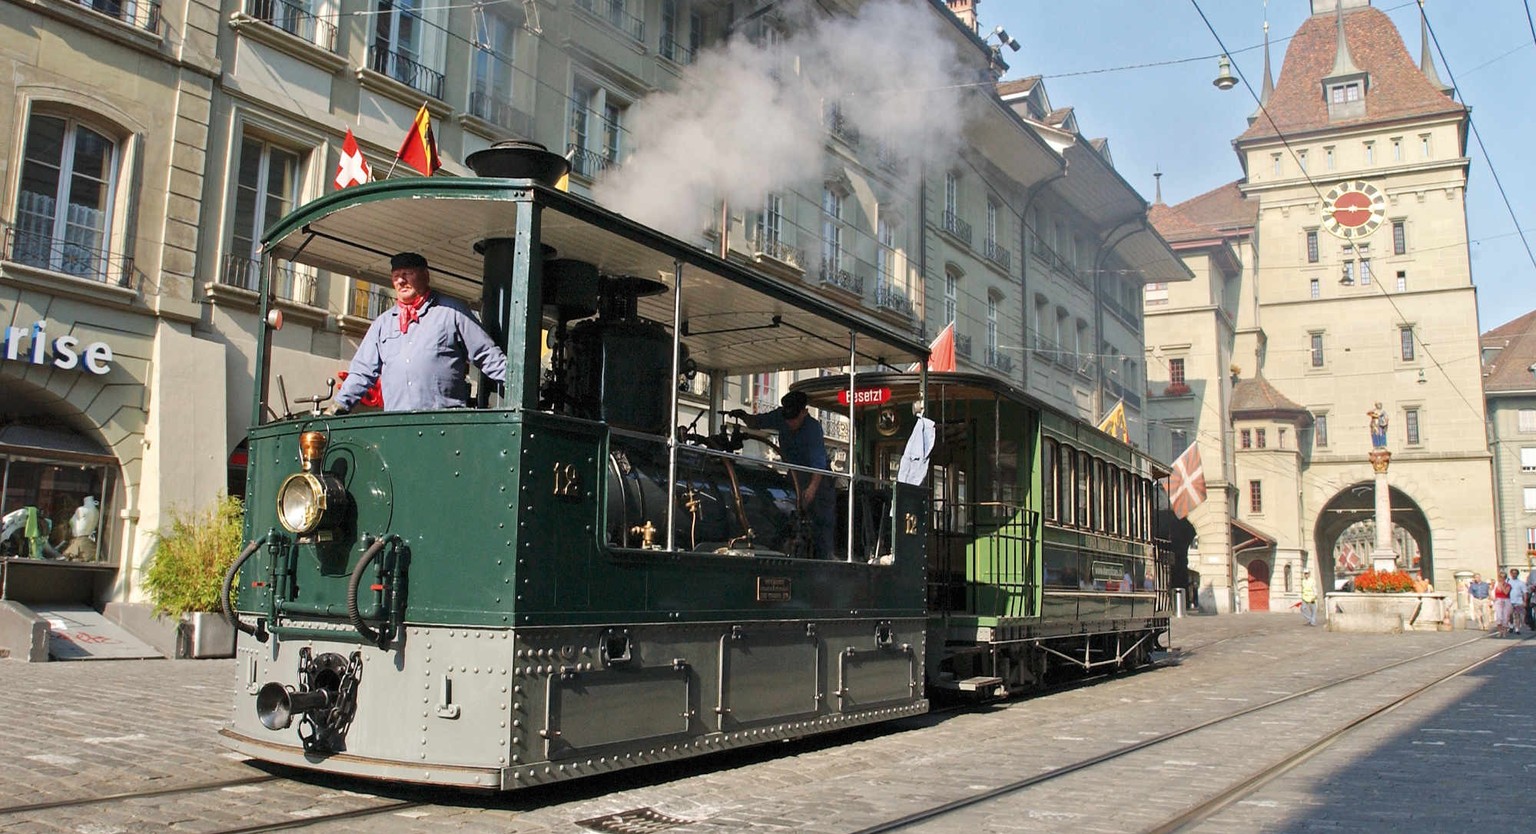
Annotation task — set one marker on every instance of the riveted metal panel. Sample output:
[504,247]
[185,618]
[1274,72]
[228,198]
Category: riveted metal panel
[590,710]
[872,678]
[768,675]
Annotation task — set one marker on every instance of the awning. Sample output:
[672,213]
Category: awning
[21,440]
[1246,537]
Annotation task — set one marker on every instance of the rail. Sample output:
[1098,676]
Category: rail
[144,16]
[616,15]
[834,276]
[79,254]
[957,227]
[588,163]
[289,282]
[773,247]
[296,20]
[998,254]
[500,111]
[405,69]
[676,52]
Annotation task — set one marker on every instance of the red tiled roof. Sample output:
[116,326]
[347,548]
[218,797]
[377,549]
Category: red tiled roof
[1255,397]
[1022,85]
[1214,213]
[1510,368]
[1397,88]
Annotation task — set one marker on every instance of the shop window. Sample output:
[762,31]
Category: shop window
[55,510]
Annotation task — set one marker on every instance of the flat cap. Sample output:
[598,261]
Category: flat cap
[407,260]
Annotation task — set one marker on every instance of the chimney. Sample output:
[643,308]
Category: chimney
[966,11]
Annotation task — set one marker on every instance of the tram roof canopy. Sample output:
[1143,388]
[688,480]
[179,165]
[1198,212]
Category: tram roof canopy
[735,318]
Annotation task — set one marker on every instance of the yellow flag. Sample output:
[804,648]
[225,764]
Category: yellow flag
[1114,425]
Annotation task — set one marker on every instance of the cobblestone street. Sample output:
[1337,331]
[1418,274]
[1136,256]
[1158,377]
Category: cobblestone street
[81,730]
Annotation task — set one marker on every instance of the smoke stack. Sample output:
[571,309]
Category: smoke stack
[516,159]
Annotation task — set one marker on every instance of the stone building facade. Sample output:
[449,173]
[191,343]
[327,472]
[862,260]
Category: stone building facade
[1336,276]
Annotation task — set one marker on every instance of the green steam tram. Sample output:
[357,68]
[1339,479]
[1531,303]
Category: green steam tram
[573,576]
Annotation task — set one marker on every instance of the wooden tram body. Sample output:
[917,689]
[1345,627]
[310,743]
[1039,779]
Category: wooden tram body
[564,580]
[1045,552]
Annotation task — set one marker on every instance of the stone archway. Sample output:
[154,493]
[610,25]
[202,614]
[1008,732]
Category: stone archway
[1349,517]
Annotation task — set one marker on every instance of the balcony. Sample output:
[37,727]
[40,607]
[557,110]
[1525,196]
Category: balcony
[588,163]
[1053,259]
[296,20]
[841,279]
[80,255]
[999,361]
[772,247]
[1122,313]
[957,227]
[962,345]
[616,15]
[139,15]
[839,125]
[893,299]
[500,112]
[675,52]
[998,254]
[288,282]
[406,70]
[369,302]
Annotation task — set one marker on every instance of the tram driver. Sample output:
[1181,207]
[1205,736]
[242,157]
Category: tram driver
[802,443]
[419,350]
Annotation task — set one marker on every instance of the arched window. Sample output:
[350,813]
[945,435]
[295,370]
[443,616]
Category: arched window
[1050,472]
[64,206]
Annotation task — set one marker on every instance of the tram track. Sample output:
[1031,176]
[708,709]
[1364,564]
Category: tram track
[1201,811]
[78,802]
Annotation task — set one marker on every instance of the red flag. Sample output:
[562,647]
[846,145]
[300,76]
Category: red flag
[1186,485]
[353,168]
[419,150]
[941,354]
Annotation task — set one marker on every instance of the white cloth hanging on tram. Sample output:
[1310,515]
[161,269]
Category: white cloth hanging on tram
[914,460]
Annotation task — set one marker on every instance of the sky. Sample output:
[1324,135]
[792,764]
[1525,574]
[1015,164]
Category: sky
[1173,119]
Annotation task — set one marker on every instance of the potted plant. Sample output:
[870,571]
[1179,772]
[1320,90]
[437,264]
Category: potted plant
[1176,389]
[185,572]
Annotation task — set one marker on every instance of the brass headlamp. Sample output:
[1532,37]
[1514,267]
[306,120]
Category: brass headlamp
[304,497]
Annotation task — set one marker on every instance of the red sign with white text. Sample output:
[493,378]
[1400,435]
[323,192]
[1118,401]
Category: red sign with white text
[865,396]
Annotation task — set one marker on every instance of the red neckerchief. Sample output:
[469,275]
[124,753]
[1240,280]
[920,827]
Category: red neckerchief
[410,313]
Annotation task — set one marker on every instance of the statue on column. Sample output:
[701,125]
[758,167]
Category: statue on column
[1378,426]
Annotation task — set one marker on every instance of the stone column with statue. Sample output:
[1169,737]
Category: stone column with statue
[1383,557]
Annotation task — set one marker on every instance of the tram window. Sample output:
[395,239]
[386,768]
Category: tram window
[1048,476]
[1100,490]
[1084,487]
[1065,485]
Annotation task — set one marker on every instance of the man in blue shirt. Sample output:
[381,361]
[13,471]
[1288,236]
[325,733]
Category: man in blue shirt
[1482,607]
[419,350]
[802,443]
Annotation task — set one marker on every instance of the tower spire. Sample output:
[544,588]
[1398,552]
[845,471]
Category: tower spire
[1157,177]
[1343,64]
[1269,77]
[1427,54]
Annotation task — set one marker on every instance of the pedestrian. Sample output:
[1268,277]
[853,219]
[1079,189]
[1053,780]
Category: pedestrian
[1308,598]
[1501,605]
[1517,591]
[802,443]
[419,350]
[1477,598]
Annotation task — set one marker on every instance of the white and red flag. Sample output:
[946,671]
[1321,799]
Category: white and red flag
[1186,485]
[353,168]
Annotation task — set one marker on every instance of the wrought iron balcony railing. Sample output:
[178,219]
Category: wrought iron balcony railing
[406,70]
[834,276]
[499,111]
[957,227]
[135,13]
[288,281]
[1121,312]
[616,14]
[998,254]
[369,302]
[772,247]
[79,254]
[999,360]
[962,344]
[296,19]
[677,53]
[892,298]
[588,163]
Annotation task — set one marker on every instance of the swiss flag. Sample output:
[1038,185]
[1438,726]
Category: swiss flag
[353,168]
[1186,485]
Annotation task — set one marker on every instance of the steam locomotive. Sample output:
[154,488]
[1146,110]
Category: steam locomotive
[568,578]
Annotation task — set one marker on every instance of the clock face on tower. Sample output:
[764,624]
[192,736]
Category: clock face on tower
[1353,209]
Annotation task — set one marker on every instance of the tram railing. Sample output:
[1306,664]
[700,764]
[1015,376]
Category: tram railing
[982,559]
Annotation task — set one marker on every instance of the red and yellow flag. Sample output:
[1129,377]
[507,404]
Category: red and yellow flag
[419,150]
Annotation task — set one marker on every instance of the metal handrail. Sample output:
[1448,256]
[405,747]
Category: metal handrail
[78,259]
[294,19]
[140,15]
[406,70]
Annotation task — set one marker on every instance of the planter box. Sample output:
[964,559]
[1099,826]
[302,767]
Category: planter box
[1387,613]
[204,635]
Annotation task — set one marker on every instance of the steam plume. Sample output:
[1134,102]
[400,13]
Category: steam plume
[747,119]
